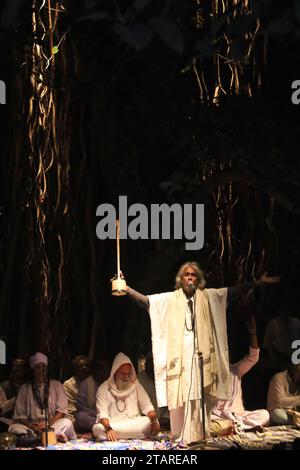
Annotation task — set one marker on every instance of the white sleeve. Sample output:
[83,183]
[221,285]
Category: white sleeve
[102,403]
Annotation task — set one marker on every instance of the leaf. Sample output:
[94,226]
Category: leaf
[55,49]
[137,35]
[217,24]
[169,32]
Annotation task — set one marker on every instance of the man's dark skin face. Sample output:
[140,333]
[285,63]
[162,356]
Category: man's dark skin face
[82,369]
[189,275]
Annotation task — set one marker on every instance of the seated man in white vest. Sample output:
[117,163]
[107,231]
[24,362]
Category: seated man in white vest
[86,401]
[34,396]
[124,408]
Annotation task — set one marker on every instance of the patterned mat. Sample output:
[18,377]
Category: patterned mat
[265,440]
[161,443]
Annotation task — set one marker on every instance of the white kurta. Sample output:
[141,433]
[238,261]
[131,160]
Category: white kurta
[149,386]
[27,409]
[186,420]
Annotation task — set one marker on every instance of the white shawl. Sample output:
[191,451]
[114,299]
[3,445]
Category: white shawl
[162,306]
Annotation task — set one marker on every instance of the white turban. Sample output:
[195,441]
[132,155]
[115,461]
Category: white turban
[38,358]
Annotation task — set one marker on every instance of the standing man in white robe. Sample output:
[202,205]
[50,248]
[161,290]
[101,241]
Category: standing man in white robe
[190,317]
[121,401]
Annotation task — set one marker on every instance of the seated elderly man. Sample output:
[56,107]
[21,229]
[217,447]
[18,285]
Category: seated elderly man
[86,401]
[82,369]
[6,410]
[121,400]
[32,399]
[284,395]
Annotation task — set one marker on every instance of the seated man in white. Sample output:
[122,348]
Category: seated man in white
[6,409]
[86,401]
[121,401]
[281,332]
[233,409]
[32,399]
[284,395]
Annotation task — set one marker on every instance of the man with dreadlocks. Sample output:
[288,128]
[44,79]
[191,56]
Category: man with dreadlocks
[31,403]
[180,319]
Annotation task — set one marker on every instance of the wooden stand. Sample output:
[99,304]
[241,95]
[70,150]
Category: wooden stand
[48,438]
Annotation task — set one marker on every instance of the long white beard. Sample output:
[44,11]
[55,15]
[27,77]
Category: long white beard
[122,385]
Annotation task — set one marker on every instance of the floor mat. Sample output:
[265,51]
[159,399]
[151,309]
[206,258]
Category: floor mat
[161,443]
